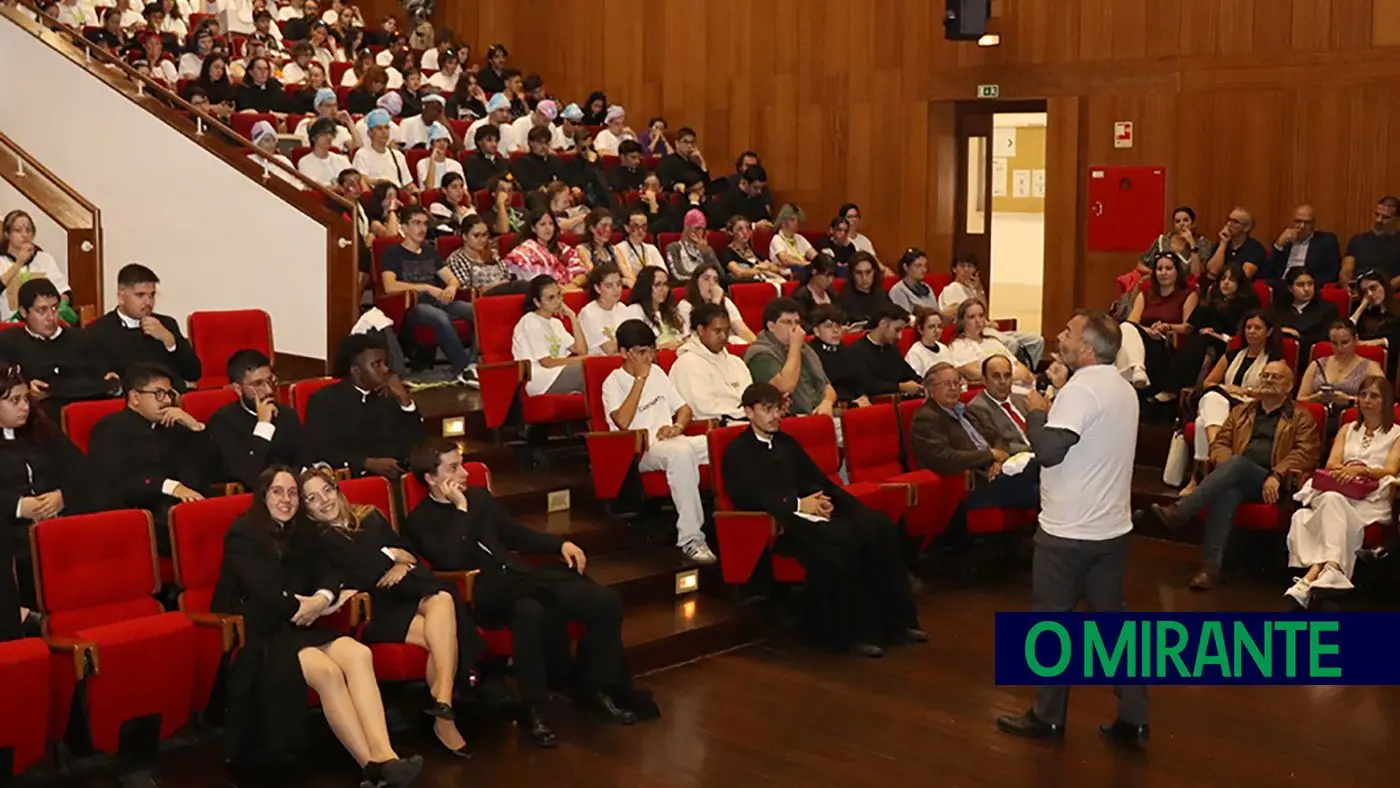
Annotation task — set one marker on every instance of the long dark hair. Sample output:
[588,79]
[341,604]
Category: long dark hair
[1388,306]
[1273,344]
[1156,288]
[1244,288]
[10,219]
[258,512]
[527,230]
[641,296]
[692,287]
[39,428]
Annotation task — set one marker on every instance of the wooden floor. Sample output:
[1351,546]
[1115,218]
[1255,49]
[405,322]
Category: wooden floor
[922,716]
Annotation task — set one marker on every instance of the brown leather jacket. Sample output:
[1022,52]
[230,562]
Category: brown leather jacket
[1296,441]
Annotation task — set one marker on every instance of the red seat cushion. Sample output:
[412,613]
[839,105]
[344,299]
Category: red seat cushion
[218,334]
[24,673]
[399,661]
[553,408]
[146,667]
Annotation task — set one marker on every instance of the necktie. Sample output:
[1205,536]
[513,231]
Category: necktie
[1016,417]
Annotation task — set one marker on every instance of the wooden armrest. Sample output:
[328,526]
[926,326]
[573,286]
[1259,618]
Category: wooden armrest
[701,426]
[342,474]
[640,438]
[465,580]
[225,489]
[774,527]
[230,627]
[522,369]
[911,491]
[84,653]
[360,609]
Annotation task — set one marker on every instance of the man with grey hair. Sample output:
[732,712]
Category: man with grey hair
[1085,448]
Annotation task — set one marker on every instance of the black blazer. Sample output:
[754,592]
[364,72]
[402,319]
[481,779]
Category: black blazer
[115,347]
[263,572]
[1323,261]
[772,480]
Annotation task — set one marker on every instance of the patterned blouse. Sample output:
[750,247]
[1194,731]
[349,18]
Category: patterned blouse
[530,259]
[478,275]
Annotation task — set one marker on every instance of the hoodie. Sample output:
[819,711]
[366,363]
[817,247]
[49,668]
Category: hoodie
[711,383]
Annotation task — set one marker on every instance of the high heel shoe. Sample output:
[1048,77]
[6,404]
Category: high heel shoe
[391,774]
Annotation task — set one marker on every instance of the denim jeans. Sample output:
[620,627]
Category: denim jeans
[437,316]
[1021,491]
[1237,480]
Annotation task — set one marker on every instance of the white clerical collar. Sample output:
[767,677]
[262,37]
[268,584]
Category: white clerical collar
[9,434]
[41,337]
[766,440]
[129,322]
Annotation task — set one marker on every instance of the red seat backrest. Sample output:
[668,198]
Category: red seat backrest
[817,434]
[372,491]
[337,72]
[596,370]
[1338,297]
[790,287]
[96,569]
[872,442]
[666,359]
[80,417]
[197,533]
[1264,293]
[717,240]
[938,280]
[718,440]
[666,239]
[411,157]
[905,412]
[760,242]
[414,491]
[202,404]
[907,338]
[496,317]
[750,298]
[1290,349]
[1375,353]
[448,244]
[303,389]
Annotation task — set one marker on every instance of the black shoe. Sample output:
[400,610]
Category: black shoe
[441,711]
[1029,726]
[604,705]
[915,635]
[1167,516]
[393,774]
[1122,734]
[867,650]
[534,726]
[32,625]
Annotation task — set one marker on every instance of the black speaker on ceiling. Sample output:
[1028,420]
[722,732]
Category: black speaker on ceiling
[966,20]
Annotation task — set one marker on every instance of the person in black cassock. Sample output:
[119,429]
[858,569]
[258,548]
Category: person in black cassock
[275,577]
[407,603]
[463,528]
[857,595]
[53,356]
[151,454]
[42,475]
[255,432]
[365,421]
[134,333]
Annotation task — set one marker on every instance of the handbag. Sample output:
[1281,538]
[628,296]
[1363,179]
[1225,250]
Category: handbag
[1178,461]
[1356,489]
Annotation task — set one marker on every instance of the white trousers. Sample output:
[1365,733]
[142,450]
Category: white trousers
[1212,411]
[1328,529]
[1131,353]
[681,458]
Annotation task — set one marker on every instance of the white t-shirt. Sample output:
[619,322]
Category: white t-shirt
[1087,496]
[415,131]
[600,325]
[440,80]
[605,142]
[507,144]
[955,293]
[921,357]
[685,308]
[520,134]
[429,61]
[799,246]
[443,168]
[293,74]
[342,134]
[538,337]
[395,132]
[863,244]
[45,262]
[637,259]
[970,351]
[190,65]
[387,166]
[323,171]
[655,409]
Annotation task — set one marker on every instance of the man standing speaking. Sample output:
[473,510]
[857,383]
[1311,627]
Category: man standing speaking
[1085,445]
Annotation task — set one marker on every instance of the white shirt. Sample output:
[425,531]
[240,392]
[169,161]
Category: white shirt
[395,132]
[921,357]
[42,262]
[443,168]
[600,325]
[293,73]
[799,246]
[1298,254]
[387,166]
[1087,495]
[605,142]
[350,79]
[970,351]
[415,132]
[684,308]
[190,65]
[863,244]
[77,15]
[537,337]
[637,259]
[712,384]
[441,80]
[323,171]
[657,406]
[165,71]
[342,138]
[520,134]
[507,136]
[955,293]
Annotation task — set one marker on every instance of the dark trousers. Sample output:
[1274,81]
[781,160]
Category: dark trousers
[1233,482]
[1021,491]
[1063,572]
[539,624]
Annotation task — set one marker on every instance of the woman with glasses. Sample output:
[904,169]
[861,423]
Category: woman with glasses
[865,290]
[21,260]
[275,577]
[408,603]
[476,264]
[633,253]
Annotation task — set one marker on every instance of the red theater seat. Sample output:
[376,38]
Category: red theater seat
[1376,353]
[873,455]
[750,298]
[502,378]
[243,122]
[217,335]
[203,404]
[79,418]
[96,575]
[301,391]
[24,725]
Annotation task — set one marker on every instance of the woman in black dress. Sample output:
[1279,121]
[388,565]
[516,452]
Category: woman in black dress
[274,577]
[42,475]
[408,604]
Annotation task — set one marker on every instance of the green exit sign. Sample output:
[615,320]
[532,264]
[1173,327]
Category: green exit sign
[988,91]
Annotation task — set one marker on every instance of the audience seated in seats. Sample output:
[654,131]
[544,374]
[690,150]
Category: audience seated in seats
[857,596]
[819,289]
[367,83]
[780,356]
[1217,319]
[255,431]
[555,354]
[852,381]
[686,255]
[539,167]
[747,196]
[514,92]
[505,218]
[424,127]
[707,287]
[710,378]
[294,71]
[21,260]
[366,421]
[877,353]
[597,247]
[652,295]
[260,91]
[1304,247]
[586,173]
[667,216]
[601,316]
[468,101]
[569,213]
[928,348]
[42,475]
[629,173]
[974,343]
[77,14]
[276,577]
[1378,249]
[1160,313]
[639,396]
[1349,493]
[408,603]
[392,106]
[110,35]
[382,210]
[950,438]
[865,292]
[217,87]
[322,102]
[378,160]
[838,244]
[463,528]
[684,165]
[1301,313]
[653,141]
[615,129]
[192,62]
[497,117]
[999,411]
[634,253]
[911,291]
[538,252]
[1335,380]
[851,213]
[151,454]
[54,358]
[134,332]
[1234,380]
[438,165]
[595,108]
[1377,315]
[155,49]
[570,120]
[1261,444]
[1236,246]
[264,138]
[741,262]
[967,283]
[488,165]
[452,206]
[414,266]
[476,264]
[322,164]
[790,249]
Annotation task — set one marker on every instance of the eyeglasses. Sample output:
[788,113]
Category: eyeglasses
[327,493]
[165,395]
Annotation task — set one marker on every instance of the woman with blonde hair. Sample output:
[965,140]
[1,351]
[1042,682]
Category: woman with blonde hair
[408,604]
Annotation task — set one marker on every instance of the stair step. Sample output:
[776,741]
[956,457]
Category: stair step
[648,574]
[593,532]
[666,633]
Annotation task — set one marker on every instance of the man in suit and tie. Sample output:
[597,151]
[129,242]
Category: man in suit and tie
[1001,413]
[1302,245]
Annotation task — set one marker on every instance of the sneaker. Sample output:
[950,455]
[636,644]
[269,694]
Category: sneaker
[1300,591]
[699,552]
[1138,377]
[1332,577]
[468,378]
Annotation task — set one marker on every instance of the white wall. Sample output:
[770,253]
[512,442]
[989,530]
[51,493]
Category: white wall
[1018,242]
[218,239]
[49,235]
